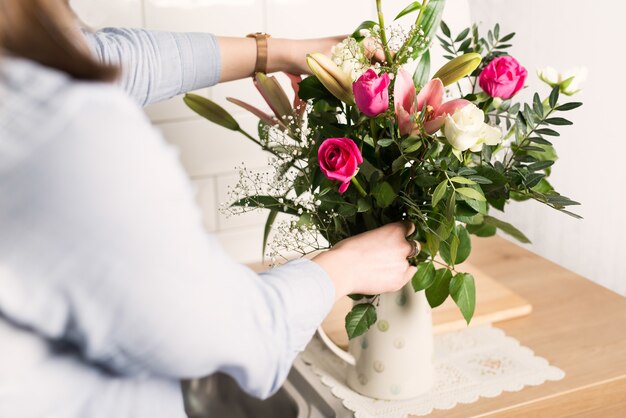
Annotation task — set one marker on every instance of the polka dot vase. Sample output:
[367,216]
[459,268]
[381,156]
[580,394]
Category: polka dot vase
[393,359]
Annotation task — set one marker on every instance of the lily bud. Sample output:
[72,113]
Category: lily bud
[331,76]
[458,68]
[273,94]
[211,111]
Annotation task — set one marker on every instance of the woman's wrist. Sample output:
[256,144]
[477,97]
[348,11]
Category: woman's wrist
[333,263]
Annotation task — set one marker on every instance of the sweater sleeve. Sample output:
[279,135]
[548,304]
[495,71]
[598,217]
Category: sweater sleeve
[158,65]
[106,249]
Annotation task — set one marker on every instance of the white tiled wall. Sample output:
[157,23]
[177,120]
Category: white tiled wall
[210,153]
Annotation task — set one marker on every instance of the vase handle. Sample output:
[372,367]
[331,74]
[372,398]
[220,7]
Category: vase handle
[345,356]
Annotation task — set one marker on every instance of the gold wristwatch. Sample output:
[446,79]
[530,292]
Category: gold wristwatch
[261,51]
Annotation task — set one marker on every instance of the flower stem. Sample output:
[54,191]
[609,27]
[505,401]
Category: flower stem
[417,25]
[383,34]
[358,186]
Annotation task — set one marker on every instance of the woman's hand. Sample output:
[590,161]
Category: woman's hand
[370,263]
[289,55]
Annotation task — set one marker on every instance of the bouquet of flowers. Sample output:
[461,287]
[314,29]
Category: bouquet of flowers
[364,144]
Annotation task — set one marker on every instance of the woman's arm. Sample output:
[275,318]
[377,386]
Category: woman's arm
[159,65]
[108,251]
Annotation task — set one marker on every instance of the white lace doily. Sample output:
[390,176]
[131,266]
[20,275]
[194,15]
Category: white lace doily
[469,364]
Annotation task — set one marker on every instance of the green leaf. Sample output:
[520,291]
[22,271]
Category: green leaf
[430,21]
[368,24]
[452,253]
[480,180]
[568,106]
[271,217]
[471,193]
[483,230]
[462,180]
[537,105]
[360,319]
[547,131]
[462,35]
[422,72]
[424,277]
[439,192]
[540,165]
[363,205]
[385,142]
[358,296]
[384,194]
[558,121]
[416,5]
[313,89]
[411,144]
[445,29]
[507,37]
[463,291]
[211,111]
[507,228]
[439,291]
[554,97]
[398,164]
[265,202]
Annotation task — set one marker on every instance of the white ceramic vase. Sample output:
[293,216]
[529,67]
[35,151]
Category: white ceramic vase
[393,359]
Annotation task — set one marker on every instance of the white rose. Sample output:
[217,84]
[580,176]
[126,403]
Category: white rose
[466,129]
[569,80]
[572,79]
[549,75]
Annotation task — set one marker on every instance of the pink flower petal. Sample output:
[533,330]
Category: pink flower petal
[431,95]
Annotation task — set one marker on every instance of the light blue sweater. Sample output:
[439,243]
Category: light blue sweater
[110,290]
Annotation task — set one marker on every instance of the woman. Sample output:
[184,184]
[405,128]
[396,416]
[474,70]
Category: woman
[110,290]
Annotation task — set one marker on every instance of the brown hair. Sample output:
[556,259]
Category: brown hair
[46,31]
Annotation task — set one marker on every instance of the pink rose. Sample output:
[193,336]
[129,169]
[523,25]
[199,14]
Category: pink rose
[371,93]
[339,159]
[502,77]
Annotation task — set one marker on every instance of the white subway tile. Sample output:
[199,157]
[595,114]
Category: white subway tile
[222,17]
[173,109]
[244,245]
[243,90]
[309,19]
[206,198]
[208,149]
[122,13]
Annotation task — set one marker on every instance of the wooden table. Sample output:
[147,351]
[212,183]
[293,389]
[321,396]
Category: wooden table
[576,325]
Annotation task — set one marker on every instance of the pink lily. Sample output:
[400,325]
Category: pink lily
[299,105]
[429,100]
